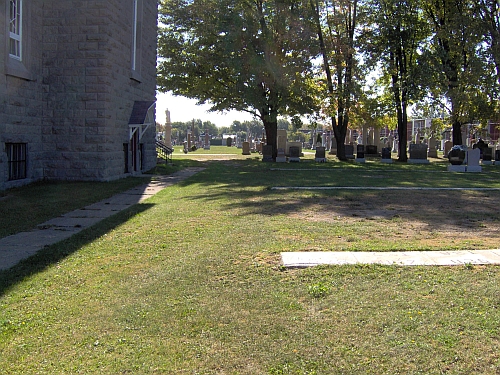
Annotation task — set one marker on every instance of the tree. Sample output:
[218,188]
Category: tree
[489,13]
[457,58]
[248,56]
[336,22]
[394,41]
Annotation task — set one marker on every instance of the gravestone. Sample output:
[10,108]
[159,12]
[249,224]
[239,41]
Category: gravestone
[206,145]
[371,150]
[360,154]
[497,157]
[281,139]
[487,156]
[294,154]
[447,147]
[432,148]
[246,148]
[293,144]
[418,153]
[472,158]
[267,153]
[386,155]
[349,151]
[320,154]
[281,157]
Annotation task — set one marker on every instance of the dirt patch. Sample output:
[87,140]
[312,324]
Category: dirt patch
[427,216]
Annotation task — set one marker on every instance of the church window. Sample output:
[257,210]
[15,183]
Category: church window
[15,29]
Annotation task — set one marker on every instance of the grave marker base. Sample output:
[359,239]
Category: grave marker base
[418,161]
[456,168]
[474,169]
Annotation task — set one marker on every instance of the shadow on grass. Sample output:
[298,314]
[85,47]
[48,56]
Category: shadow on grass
[53,254]
[246,186]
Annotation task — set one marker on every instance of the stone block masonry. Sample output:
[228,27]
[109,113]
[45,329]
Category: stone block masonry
[74,89]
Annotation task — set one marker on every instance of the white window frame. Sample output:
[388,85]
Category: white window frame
[16,29]
[135,31]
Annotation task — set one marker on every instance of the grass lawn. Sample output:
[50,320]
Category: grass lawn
[189,282]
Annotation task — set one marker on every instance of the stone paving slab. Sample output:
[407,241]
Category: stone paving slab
[20,246]
[404,258]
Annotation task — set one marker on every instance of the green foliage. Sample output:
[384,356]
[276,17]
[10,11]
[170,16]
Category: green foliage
[253,57]
[318,290]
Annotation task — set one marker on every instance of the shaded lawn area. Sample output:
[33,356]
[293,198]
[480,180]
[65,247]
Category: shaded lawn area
[23,208]
[191,282]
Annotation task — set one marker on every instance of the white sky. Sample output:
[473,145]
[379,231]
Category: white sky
[184,109]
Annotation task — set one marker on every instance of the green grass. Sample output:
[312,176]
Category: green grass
[21,209]
[189,282]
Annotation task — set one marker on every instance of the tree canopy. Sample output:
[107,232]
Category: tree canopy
[276,58]
[252,56]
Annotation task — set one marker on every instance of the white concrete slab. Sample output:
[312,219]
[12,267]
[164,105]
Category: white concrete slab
[404,258]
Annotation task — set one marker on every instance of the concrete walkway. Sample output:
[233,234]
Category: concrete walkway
[20,246]
[404,258]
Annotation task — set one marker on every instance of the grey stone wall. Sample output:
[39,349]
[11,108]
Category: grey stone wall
[73,105]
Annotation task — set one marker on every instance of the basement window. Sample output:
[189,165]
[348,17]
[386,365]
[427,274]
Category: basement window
[16,158]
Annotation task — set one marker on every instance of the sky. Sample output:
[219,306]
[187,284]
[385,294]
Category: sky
[184,109]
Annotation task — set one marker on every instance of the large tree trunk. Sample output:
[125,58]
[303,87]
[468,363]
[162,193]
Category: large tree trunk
[340,132]
[271,128]
[457,132]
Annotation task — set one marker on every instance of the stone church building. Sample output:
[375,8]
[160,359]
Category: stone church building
[77,89]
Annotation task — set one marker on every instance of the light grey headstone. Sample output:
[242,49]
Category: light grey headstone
[472,159]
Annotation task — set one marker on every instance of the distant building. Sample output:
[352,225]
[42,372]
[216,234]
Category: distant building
[77,89]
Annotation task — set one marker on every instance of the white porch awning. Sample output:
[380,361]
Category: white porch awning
[141,118]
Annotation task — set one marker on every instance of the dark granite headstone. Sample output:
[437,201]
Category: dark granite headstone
[267,153]
[294,154]
[487,154]
[320,154]
[360,151]
[371,150]
[386,153]
[349,151]
[418,151]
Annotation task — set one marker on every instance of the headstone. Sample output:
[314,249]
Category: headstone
[447,147]
[418,153]
[432,153]
[386,155]
[487,156]
[364,135]
[497,157]
[281,139]
[206,146]
[293,144]
[472,158]
[294,154]
[333,148]
[371,150]
[267,153]
[168,129]
[390,143]
[246,148]
[320,154]
[349,151]
[281,157]
[360,154]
